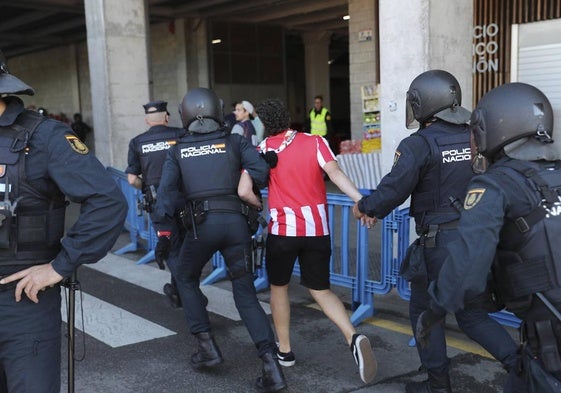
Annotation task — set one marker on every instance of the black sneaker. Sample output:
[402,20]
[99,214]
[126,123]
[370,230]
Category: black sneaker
[364,357]
[286,359]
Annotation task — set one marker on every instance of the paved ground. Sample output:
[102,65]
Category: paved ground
[135,342]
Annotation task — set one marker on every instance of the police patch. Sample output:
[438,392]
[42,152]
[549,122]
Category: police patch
[473,197]
[396,157]
[76,144]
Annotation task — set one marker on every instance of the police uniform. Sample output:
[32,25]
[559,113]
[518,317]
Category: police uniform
[502,213]
[208,167]
[147,153]
[433,166]
[41,162]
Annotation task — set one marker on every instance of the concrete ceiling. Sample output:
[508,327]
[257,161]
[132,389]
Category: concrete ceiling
[28,26]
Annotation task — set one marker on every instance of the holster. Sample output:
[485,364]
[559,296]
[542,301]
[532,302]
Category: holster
[536,378]
[5,228]
[258,254]
[544,339]
[413,266]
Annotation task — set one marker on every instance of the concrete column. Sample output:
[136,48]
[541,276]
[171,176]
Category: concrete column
[196,40]
[362,57]
[427,34]
[316,48]
[119,74]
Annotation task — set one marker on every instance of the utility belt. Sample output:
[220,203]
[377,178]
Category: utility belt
[544,340]
[196,210]
[427,233]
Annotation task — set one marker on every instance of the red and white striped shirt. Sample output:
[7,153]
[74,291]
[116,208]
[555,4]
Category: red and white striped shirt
[297,196]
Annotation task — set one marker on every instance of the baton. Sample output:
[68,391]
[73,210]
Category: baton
[72,284]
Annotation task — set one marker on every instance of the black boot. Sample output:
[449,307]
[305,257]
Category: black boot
[170,291]
[272,378]
[208,354]
[437,383]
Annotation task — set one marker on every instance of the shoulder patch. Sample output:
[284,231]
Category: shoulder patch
[76,144]
[473,197]
[396,157]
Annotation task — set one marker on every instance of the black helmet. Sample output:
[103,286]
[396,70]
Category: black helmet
[201,111]
[508,113]
[435,93]
[9,84]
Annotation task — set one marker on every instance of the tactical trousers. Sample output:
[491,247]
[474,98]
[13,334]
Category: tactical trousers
[30,336]
[229,234]
[474,322]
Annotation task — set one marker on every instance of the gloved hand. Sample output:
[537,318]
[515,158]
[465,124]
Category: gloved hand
[162,250]
[425,323]
[271,158]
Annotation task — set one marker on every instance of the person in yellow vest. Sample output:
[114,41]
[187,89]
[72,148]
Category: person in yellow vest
[320,119]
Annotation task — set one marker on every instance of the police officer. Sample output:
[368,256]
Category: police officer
[433,166]
[513,210]
[41,162]
[147,153]
[206,164]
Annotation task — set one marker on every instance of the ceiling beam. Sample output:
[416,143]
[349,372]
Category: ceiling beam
[51,5]
[24,19]
[290,10]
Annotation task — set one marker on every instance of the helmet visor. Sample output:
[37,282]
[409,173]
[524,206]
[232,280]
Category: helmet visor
[410,121]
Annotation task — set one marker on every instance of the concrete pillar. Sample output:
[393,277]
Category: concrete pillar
[437,35]
[119,74]
[316,48]
[362,57]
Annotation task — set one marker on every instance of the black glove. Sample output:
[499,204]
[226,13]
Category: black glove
[425,323]
[271,158]
[162,251]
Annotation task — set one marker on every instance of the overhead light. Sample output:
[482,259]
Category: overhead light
[216,41]
[346,17]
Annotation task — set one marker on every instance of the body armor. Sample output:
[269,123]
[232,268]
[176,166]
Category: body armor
[32,217]
[445,177]
[210,165]
[152,149]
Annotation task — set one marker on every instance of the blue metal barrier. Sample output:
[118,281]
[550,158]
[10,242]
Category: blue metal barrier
[137,222]
[354,272]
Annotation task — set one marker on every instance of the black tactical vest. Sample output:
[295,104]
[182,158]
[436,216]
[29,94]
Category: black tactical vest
[32,222]
[445,176]
[529,251]
[152,148]
[210,164]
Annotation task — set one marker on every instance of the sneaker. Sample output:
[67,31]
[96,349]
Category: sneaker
[364,357]
[286,359]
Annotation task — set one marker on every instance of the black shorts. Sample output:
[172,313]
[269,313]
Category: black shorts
[313,253]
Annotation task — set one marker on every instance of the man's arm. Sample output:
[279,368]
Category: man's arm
[245,191]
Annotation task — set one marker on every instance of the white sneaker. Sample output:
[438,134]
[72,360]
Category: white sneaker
[364,357]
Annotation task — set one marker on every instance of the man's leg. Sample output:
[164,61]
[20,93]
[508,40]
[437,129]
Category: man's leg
[334,309]
[280,308]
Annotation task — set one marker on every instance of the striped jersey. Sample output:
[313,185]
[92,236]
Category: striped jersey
[297,196]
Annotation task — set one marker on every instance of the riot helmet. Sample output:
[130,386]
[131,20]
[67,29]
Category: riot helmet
[9,84]
[201,111]
[434,93]
[508,113]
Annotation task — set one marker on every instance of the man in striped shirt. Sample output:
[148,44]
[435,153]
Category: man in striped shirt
[299,229]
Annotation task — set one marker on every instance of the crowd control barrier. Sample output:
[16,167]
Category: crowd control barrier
[352,263]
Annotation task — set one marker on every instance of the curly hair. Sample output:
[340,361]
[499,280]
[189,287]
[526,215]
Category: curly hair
[273,115]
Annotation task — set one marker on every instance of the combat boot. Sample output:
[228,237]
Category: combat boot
[208,354]
[437,383]
[272,379]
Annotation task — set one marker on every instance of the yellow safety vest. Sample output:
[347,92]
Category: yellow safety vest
[318,126]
